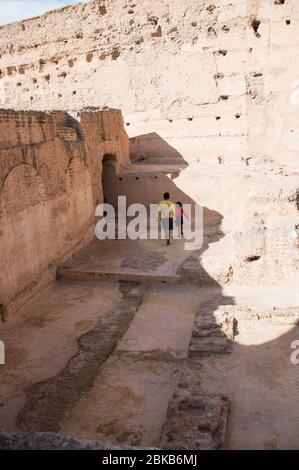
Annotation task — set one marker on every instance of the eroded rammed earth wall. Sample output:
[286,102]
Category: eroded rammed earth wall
[216,81]
[50,183]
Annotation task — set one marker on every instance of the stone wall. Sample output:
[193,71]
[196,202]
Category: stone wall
[50,183]
[212,83]
[195,72]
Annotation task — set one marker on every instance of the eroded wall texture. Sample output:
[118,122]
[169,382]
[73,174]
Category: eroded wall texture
[50,183]
[212,82]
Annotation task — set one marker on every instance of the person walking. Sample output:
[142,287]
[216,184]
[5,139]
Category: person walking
[179,220]
[166,213]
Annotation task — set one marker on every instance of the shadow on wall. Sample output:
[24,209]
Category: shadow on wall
[146,185]
[153,149]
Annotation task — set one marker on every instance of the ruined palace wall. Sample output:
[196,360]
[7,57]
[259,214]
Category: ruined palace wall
[194,72]
[213,83]
[50,182]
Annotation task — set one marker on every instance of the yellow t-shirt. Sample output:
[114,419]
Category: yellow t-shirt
[166,209]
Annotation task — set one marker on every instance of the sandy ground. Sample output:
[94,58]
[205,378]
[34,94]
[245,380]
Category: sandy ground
[262,385]
[127,404]
[42,337]
[130,256]
[128,401]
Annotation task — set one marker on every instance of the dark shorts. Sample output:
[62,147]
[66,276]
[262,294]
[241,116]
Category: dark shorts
[167,224]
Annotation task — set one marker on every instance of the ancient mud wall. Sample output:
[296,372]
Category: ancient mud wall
[197,72]
[50,182]
[213,83]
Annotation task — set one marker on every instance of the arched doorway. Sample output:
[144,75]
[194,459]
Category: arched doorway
[109,179]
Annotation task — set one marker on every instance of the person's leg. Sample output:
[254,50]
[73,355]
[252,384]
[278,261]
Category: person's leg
[178,226]
[170,230]
[165,225]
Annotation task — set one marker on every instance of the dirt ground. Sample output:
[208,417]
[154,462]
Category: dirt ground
[43,336]
[128,398]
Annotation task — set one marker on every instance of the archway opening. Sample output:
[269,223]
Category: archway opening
[109,179]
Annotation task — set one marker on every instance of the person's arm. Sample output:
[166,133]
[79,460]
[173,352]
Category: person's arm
[158,214]
[184,214]
[172,211]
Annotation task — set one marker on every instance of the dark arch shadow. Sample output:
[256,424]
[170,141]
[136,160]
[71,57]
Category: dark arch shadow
[109,179]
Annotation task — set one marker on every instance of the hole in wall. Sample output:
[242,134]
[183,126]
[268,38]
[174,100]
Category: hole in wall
[238,115]
[157,33]
[288,22]
[190,119]
[250,259]
[255,24]
[225,28]
[217,118]
[102,10]
[295,198]
[153,20]
[211,32]
[10,70]
[220,52]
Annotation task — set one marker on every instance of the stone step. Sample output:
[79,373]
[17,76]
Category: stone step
[85,275]
[213,329]
[195,421]
[210,344]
